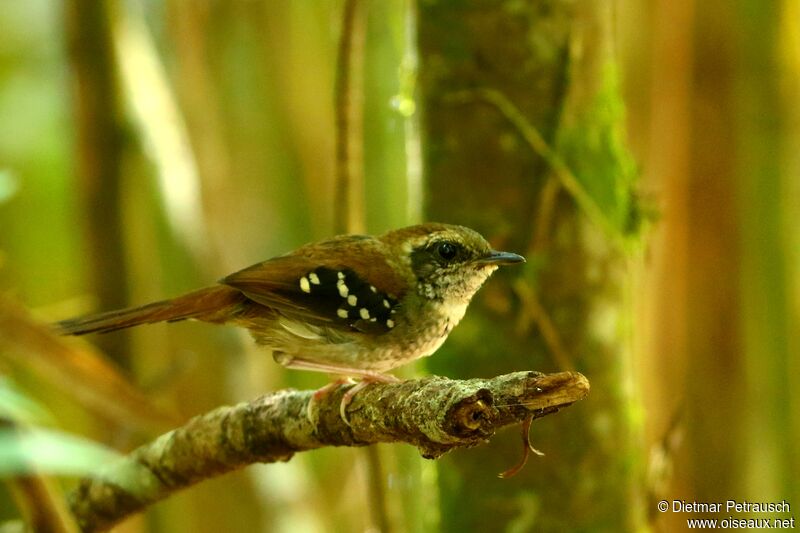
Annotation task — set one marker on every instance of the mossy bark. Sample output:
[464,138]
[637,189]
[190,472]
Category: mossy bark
[522,141]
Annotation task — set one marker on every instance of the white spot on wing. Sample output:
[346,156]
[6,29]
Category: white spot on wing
[364,312]
[343,290]
[390,323]
[372,288]
[304,286]
[386,304]
[352,300]
[313,278]
[342,313]
[340,275]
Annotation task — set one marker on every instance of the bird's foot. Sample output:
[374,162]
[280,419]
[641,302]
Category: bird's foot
[367,378]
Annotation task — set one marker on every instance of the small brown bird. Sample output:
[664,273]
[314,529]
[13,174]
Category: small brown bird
[353,305]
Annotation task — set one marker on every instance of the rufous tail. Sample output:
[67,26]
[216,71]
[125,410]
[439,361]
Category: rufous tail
[211,304]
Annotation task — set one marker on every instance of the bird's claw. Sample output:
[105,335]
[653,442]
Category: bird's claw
[349,395]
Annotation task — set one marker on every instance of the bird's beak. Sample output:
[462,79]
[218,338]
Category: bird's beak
[500,258]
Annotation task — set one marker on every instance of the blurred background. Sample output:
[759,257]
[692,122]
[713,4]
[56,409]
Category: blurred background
[644,156]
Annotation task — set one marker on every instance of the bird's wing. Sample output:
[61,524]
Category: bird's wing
[313,285]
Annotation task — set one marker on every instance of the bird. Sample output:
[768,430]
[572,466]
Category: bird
[353,305]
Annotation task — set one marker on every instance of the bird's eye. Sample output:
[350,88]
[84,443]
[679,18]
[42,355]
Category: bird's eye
[447,250]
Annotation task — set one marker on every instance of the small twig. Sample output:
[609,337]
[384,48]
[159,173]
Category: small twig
[347,209]
[539,145]
[535,311]
[542,227]
[527,449]
[434,414]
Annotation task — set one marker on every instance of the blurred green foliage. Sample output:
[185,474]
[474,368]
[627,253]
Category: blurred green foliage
[594,147]
[711,309]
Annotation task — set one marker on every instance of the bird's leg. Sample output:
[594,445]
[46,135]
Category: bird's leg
[324,391]
[341,370]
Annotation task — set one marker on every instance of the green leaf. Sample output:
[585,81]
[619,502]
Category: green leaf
[594,148]
[24,451]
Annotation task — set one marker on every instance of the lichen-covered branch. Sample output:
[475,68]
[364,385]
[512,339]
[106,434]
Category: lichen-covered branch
[434,414]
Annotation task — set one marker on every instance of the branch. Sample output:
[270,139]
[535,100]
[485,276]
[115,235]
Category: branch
[434,414]
[349,204]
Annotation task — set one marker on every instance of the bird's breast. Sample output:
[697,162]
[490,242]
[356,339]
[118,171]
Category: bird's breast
[431,327]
